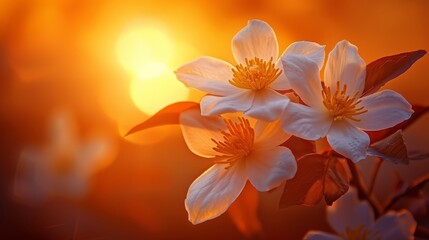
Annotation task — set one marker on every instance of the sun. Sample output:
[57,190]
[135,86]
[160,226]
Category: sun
[146,51]
[152,95]
[143,49]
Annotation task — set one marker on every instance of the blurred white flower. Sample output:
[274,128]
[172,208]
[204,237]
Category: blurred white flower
[251,86]
[354,220]
[64,165]
[336,108]
[241,151]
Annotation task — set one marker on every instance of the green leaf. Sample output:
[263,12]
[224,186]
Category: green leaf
[167,115]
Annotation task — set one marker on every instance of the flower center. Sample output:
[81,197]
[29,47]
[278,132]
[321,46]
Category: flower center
[256,75]
[340,105]
[237,142]
[361,233]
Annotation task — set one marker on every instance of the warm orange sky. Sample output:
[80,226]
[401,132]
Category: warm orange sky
[84,56]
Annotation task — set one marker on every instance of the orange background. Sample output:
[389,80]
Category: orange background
[64,54]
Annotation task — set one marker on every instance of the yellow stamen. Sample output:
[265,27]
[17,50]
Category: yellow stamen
[236,144]
[256,75]
[340,105]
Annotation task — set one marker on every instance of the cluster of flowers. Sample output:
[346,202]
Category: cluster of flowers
[251,110]
[278,98]
[245,124]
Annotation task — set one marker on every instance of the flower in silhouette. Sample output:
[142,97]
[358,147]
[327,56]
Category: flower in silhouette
[64,165]
[353,219]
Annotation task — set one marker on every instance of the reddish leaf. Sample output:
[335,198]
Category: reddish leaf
[244,213]
[419,111]
[417,155]
[391,149]
[318,176]
[385,69]
[299,146]
[306,188]
[336,180]
[167,115]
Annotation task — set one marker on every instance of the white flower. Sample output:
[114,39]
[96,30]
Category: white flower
[336,107]
[353,219]
[240,152]
[63,166]
[251,85]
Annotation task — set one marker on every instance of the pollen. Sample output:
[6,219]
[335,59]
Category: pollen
[256,75]
[236,144]
[340,105]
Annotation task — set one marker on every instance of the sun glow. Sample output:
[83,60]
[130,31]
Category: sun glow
[152,95]
[143,50]
[146,53]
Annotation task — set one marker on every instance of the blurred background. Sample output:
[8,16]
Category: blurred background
[109,65]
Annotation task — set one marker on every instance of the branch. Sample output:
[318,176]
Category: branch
[422,232]
[417,184]
[362,190]
[374,175]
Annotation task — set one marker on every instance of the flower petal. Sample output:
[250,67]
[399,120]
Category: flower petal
[305,122]
[318,235]
[207,74]
[214,191]
[385,109]
[238,102]
[74,185]
[281,83]
[349,141]
[267,105]
[94,155]
[30,179]
[349,212]
[396,225]
[344,65]
[303,75]
[311,50]
[267,168]
[257,39]
[62,131]
[269,134]
[198,132]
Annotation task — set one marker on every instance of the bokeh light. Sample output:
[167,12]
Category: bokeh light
[111,64]
[152,95]
[144,49]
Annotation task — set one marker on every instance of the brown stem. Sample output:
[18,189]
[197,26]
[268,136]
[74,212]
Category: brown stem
[362,190]
[419,183]
[374,175]
[422,232]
